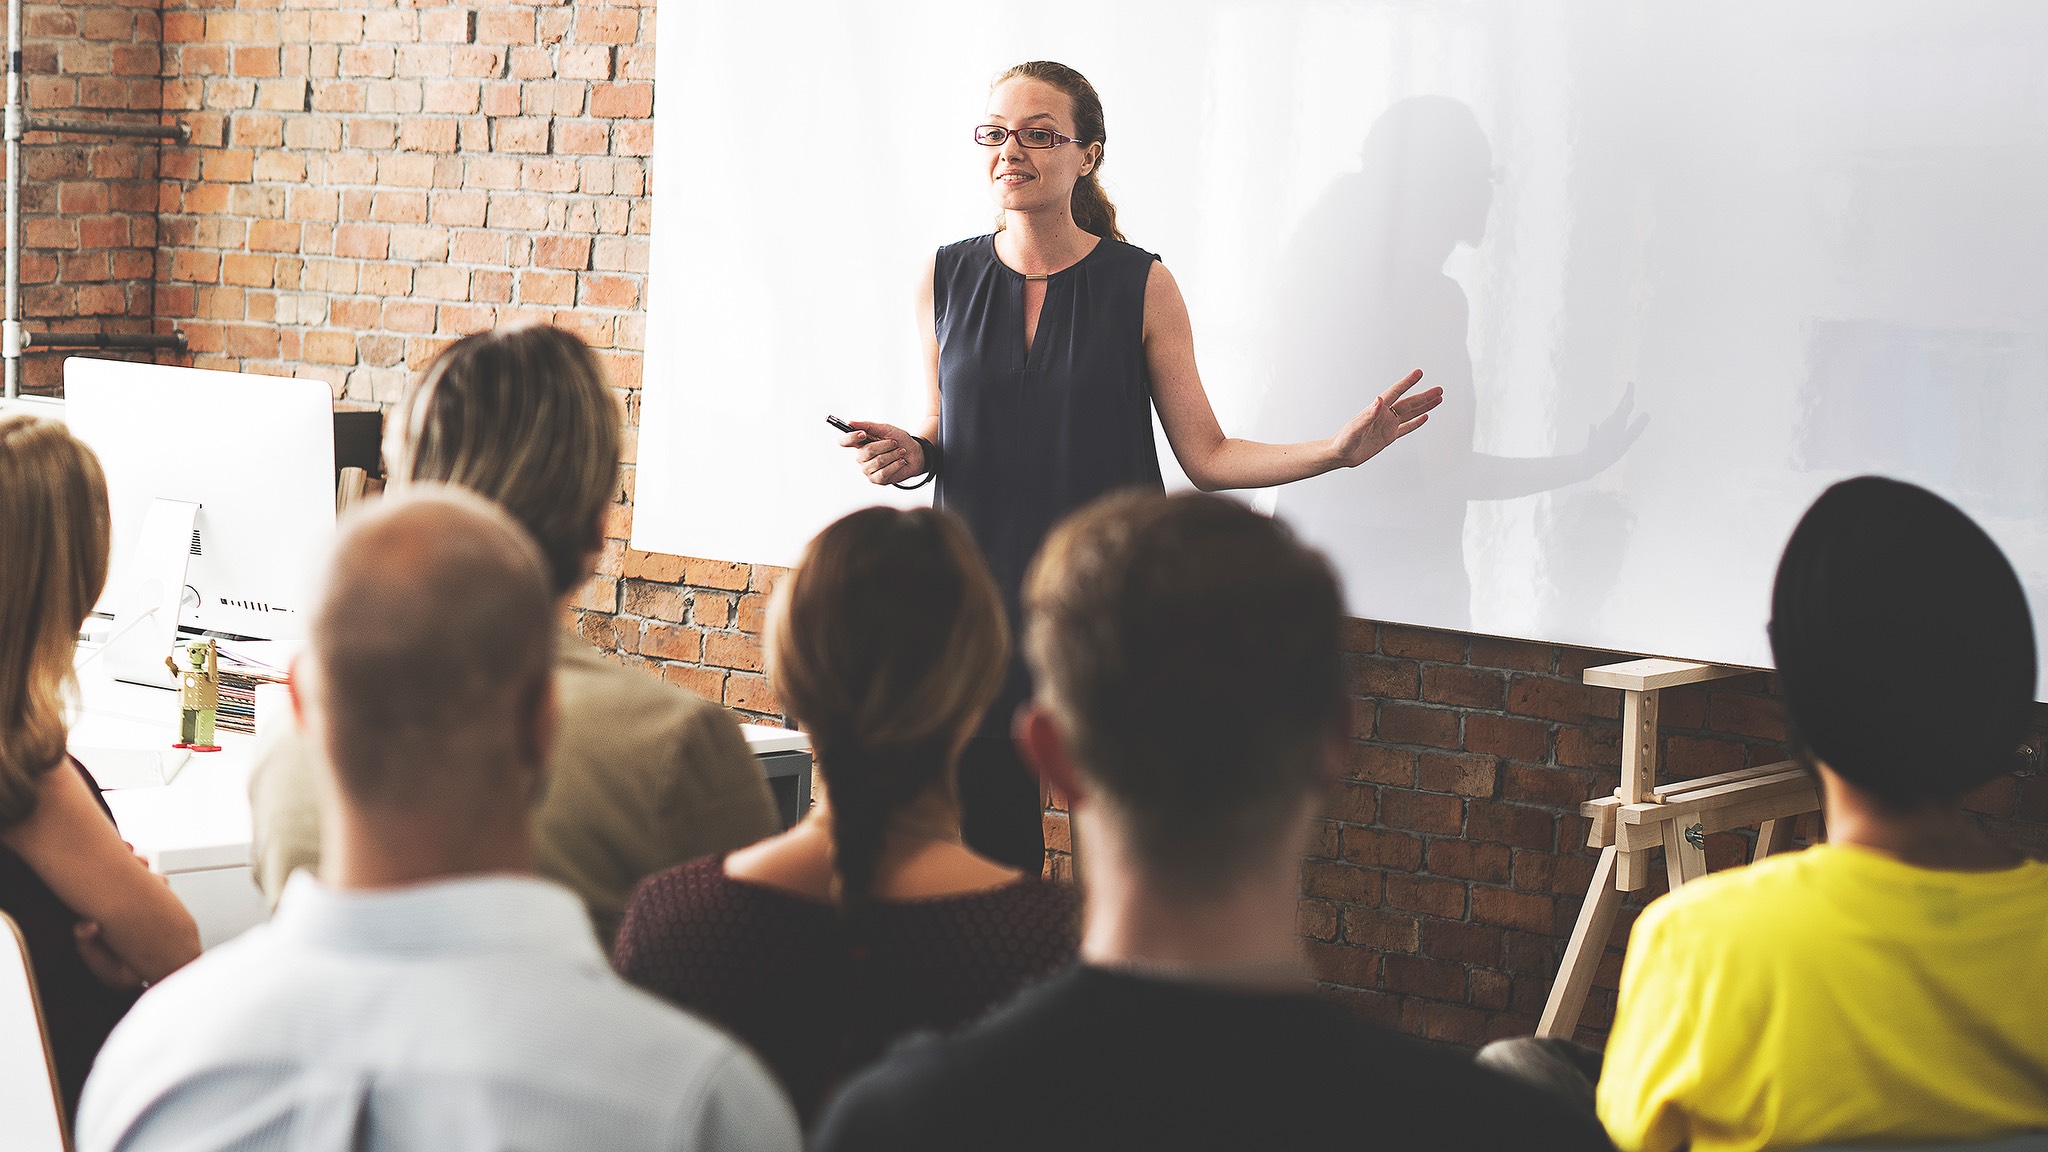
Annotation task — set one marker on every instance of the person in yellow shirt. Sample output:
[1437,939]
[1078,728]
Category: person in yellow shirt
[1890,986]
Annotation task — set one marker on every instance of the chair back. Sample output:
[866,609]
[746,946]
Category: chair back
[31,1109]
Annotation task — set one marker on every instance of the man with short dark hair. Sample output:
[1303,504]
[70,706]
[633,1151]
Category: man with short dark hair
[1885,988]
[1190,704]
[429,993]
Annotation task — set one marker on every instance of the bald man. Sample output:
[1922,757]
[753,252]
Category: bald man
[428,991]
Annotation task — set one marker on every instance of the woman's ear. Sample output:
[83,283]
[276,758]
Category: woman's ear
[1091,158]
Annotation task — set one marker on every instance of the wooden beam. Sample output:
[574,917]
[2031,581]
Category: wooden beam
[1648,675]
[1601,813]
[1638,747]
[1678,788]
[1582,953]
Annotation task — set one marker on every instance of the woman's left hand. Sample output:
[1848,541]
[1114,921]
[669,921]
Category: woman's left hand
[1389,417]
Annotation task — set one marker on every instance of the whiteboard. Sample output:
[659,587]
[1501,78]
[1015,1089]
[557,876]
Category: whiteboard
[1679,266]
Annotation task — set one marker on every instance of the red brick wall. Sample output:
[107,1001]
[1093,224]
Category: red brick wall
[88,204]
[368,181]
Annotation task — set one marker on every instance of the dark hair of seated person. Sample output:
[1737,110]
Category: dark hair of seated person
[1904,646]
[1205,739]
[887,647]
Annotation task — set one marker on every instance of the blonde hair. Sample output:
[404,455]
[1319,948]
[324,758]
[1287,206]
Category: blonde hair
[887,643]
[525,417]
[54,539]
[1091,206]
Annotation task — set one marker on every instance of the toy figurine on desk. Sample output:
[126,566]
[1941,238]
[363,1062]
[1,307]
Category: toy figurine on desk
[198,696]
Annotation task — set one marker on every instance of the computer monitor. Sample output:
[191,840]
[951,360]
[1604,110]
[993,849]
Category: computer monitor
[238,468]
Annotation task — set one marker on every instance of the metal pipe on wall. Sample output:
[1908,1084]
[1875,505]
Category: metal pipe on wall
[10,327]
[13,340]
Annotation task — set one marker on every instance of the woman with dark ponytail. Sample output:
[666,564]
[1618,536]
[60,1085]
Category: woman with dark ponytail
[1048,345]
[870,918]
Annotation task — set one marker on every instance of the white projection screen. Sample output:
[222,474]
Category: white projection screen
[1677,265]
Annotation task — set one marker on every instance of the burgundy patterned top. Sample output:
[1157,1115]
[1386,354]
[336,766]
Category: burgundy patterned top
[781,973]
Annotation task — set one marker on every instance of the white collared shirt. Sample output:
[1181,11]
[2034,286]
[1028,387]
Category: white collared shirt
[461,1016]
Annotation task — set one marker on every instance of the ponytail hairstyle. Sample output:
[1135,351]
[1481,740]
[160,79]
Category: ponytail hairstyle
[1092,210]
[54,540]
[886,643]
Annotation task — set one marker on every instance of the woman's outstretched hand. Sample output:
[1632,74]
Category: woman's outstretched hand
[887,454]
[1389,417]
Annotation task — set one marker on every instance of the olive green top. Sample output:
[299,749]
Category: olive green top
[645,775]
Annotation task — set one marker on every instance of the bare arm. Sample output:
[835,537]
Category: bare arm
[888,454]
[1214,461]
[77,851]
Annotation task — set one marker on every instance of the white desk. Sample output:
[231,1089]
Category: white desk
[196,829]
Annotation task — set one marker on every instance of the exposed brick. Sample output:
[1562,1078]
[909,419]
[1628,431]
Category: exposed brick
[1464,687]
[670,642]
[1422,812]
[1421,976]
[1756,716]
[1463,943]
[1515,655]
[1430,895]
[1343,883]
[1353,804]
[1467,860]
[1416,724]
[1463,773]
[1421,643]
[1381,849]
[1562,700]
[1550,787]
[1383,676]
[1508,908]
[1512,824]
[1506,736]
[1379,931]
[654,601]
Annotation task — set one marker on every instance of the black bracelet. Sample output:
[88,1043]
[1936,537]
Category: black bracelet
[934,459]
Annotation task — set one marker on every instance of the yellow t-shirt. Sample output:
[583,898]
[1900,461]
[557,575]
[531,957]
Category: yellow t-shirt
[1832,995]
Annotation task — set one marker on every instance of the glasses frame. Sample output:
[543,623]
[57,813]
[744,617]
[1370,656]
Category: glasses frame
[1058,138]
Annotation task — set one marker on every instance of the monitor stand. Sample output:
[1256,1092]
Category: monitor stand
[147,602]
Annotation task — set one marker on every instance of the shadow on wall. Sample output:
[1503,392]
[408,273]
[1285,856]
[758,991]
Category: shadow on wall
[1364,300]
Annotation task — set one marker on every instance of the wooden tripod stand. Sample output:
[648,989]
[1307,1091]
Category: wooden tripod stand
[1641,817]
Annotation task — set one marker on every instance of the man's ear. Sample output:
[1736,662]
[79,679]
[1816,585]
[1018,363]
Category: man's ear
[1045,749]
[294,685]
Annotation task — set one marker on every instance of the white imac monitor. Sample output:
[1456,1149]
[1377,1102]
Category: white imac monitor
[221,487]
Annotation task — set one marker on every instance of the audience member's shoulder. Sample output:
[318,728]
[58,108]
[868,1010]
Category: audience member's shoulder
[930,1085]
[1052,902]
[1767,893]
[225,999]
[688,883]
[626,715]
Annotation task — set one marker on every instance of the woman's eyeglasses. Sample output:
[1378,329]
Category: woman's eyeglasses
[993,135]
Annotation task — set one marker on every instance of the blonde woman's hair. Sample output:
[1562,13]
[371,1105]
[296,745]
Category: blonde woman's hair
[887,643]
[53,563]
[524,417]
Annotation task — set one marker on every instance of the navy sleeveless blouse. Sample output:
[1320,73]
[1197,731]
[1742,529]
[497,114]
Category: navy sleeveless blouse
[1030,437]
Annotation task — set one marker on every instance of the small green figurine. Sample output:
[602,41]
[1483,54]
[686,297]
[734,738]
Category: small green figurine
[198,696]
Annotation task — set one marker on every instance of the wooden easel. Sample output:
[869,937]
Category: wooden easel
[1641,817]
